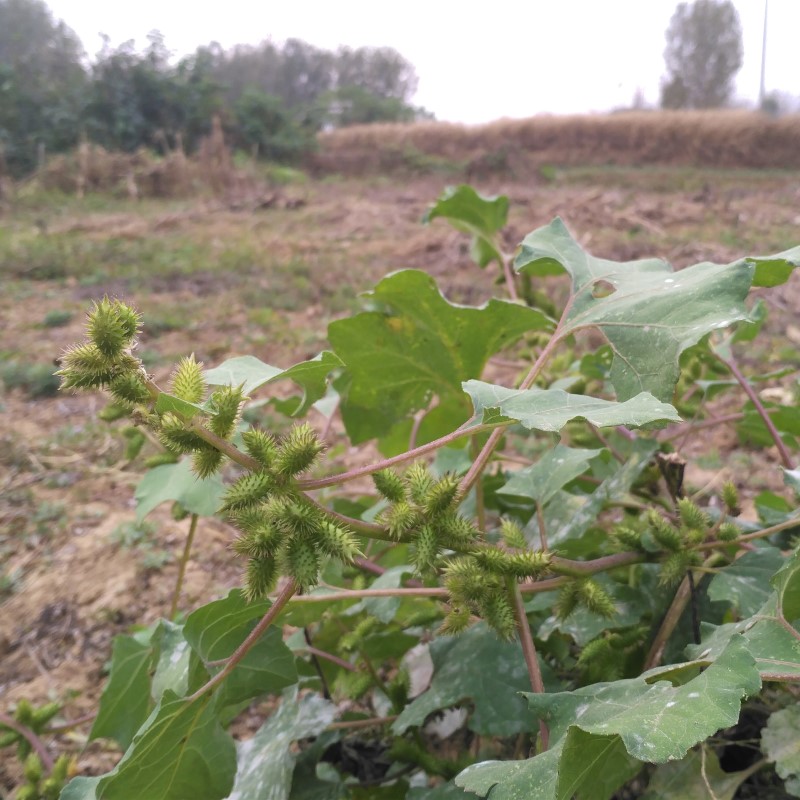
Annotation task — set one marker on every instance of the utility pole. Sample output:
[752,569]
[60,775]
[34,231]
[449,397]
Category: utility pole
[762,89]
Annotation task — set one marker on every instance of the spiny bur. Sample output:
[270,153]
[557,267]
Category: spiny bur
[419,482]
[248,490]
[301,562]
[337,541]
[130,389]
[456,621]
[512,534]
[730,496]
[175,436]
[664,533]
[298,451]
[261,446]
[390,485]
[440,496]
[426,549]
[596,599]
[261,576]
[187,380]
[226,405]
[675,566]
[499,615]
[354,639]
[691,515]
[728,532]
[627,538]
[206,462]
[400,519]
[112,326]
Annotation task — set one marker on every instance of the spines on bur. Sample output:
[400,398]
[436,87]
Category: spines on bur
[187,380]
[298,451]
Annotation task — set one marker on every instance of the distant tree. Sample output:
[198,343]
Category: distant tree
[266,127]
[703,55]
[42,83]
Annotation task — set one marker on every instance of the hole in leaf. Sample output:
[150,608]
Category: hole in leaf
[602,288]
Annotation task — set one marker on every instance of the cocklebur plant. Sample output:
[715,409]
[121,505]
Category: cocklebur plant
[518,535]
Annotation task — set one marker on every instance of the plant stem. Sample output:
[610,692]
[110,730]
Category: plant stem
[542,526]
[340,662]
[480,508]
[783,451]
[182,566]
[511,284]
[570,569]
[672,617]
[33,740]
[224,446]
[409,455]
[749,537]
[243,649]
[479,464]
[668,625]
[355,724]
[70,724]
[529,652]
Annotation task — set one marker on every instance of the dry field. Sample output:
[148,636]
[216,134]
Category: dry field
[264,274]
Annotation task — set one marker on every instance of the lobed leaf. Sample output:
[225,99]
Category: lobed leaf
[417,346]
[551,409]
[481,217]
[176,482]
[252,373]
[216,629]
[648,313]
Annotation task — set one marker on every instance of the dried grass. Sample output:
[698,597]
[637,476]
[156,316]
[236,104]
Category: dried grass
[92,168]
[688,138]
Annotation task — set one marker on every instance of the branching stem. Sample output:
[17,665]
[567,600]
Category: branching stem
[783,451]
[529,653]
[182,566]
[278,604]
[33,740]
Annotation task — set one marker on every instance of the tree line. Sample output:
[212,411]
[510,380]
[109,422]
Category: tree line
[271,98]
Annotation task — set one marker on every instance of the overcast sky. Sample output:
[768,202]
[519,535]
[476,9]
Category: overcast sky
[476,61]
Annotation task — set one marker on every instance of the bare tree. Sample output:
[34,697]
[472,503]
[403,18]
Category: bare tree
[703,55]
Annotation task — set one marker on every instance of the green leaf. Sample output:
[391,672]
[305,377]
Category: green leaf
[612,724]
[180,752]
[170,403]
[657,722]
[80,788]
[215,630]
[475,665]
[692,777]
[780,742]
[648,313]
[785,419]
[551,409]
[177,482]
[554,469]
[481,217]
[173,660]
[416,346]
[445,791]
[745,584]
[775,270]
[569,516]
[384,608]
[266,762]
[252,373]
[125,702]
[791,477]
[578,766]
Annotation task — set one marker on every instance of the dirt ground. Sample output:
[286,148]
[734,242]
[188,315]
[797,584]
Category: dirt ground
[221,280]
